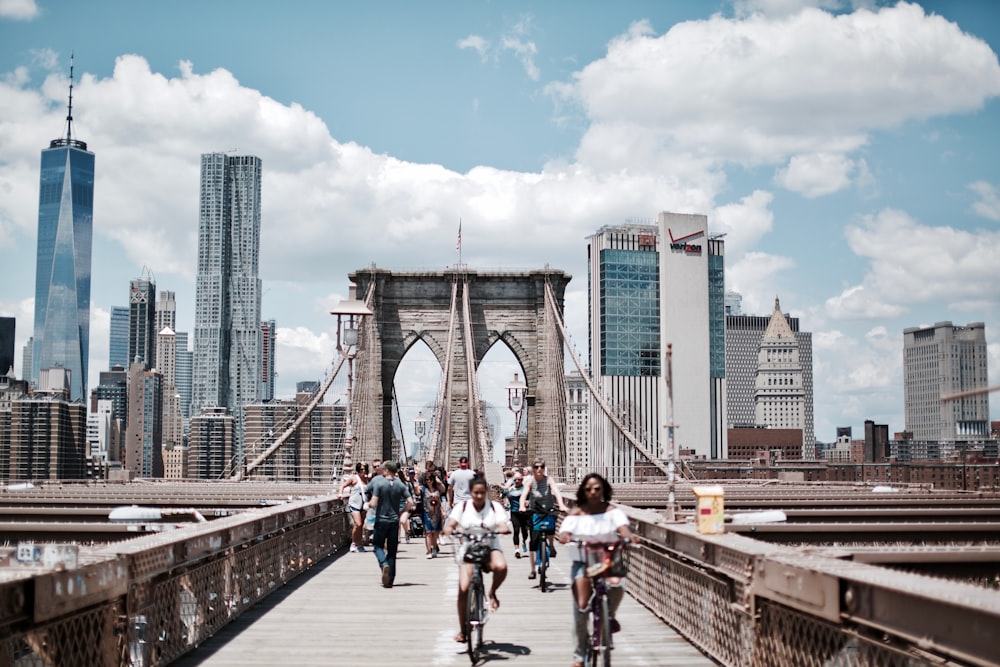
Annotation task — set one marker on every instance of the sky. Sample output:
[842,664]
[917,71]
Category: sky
[847,150]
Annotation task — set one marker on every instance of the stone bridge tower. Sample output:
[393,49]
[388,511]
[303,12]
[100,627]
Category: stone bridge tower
[508,307]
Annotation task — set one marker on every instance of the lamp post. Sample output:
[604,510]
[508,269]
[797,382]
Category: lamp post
[516,392]
[349,314]
[420,430]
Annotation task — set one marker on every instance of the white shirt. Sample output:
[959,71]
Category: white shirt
[471,520]
[593,528]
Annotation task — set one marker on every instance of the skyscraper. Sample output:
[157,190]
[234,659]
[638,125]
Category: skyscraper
[166,312]
[779,396]
[227,338]
[625,359]
[62,268]
[141,319]
[182,373]
[6,344]
[118,338]
[269,335]
[937,361]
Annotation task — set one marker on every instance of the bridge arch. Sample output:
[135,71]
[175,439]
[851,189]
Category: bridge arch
[511,307]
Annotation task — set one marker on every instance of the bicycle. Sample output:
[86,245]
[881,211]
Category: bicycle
[544,524]
[604,559]
[478,554]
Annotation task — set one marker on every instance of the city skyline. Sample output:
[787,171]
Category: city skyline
[855,179]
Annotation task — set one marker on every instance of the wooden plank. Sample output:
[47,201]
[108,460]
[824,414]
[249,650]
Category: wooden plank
[340,615]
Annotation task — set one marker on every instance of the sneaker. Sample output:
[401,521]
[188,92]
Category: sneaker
[361,549]
[434,554]
[435,551]
[430,554]
[386,582]
[517,554]
[354,548]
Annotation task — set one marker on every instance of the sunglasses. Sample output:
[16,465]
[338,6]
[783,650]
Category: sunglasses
[539,467]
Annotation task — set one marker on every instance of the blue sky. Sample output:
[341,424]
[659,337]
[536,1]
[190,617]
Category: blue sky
[848,151]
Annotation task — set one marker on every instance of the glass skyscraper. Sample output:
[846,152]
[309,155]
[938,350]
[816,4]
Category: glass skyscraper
[227,333]
[62,269]
[118,338]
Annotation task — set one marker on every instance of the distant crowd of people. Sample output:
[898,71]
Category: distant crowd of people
[386,504]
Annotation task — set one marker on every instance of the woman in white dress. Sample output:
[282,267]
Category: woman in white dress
[592,520]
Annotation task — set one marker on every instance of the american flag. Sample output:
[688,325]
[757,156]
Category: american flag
[458,245]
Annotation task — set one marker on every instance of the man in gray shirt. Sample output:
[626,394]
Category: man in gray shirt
[458,482]
[388,496]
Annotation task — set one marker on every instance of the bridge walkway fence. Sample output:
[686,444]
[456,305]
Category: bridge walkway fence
[150,600]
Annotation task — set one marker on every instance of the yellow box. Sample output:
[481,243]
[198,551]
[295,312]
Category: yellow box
[709,509]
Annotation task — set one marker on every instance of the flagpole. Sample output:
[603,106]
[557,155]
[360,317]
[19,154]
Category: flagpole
[459,245]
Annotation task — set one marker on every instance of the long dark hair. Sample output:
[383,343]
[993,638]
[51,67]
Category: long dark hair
[581,493]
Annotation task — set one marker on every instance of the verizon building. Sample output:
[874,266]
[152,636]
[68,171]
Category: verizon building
[685,325]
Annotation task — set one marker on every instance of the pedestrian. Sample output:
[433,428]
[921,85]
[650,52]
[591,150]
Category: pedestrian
[388,493]
[357,486]
[458,482]
[433,507]
[520,521]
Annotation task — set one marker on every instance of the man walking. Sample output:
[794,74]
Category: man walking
[389,494]
[458,483]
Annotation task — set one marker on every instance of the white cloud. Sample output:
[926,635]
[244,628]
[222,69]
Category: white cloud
[988,204]
[912,264]
[764,89]
[18,9]
[816,174]
[476,43]
[744,223]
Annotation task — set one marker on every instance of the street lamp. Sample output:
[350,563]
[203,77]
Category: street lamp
[349,313]
[516,392]
[420,430]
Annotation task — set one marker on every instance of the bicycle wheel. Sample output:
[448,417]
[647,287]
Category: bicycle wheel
[599,650]
[543,561]
[474,617]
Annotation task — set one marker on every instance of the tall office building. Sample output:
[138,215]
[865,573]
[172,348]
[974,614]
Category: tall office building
[166,312]
[227,338]
[577,421]
[10,389]
[118,338]
[27,355]
[141,319]
[143,453]
[937,361]
[313,453]
[166,365]
[743,342]
[6,344]
[48,434]
[779,397]
[718,444]
[686,325]
[210,444]
[269,336]
[625,360]
[182,373]
[62,268]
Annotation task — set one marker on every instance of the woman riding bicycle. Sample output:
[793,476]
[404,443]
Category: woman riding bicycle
[593,520]
[541,498]
[469,516]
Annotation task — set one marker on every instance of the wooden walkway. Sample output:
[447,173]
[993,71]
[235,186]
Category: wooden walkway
[338,614]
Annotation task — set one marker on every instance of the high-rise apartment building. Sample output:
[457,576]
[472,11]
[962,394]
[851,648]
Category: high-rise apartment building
[625,359]
[166,365]
[269,336]
[141,321]
[118,337]
[48,438]
[62,268]
[313,453]
[6,344]
[743,342]
[10,389]
[779,397]
[939,361]
[27,356]
[227,337]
